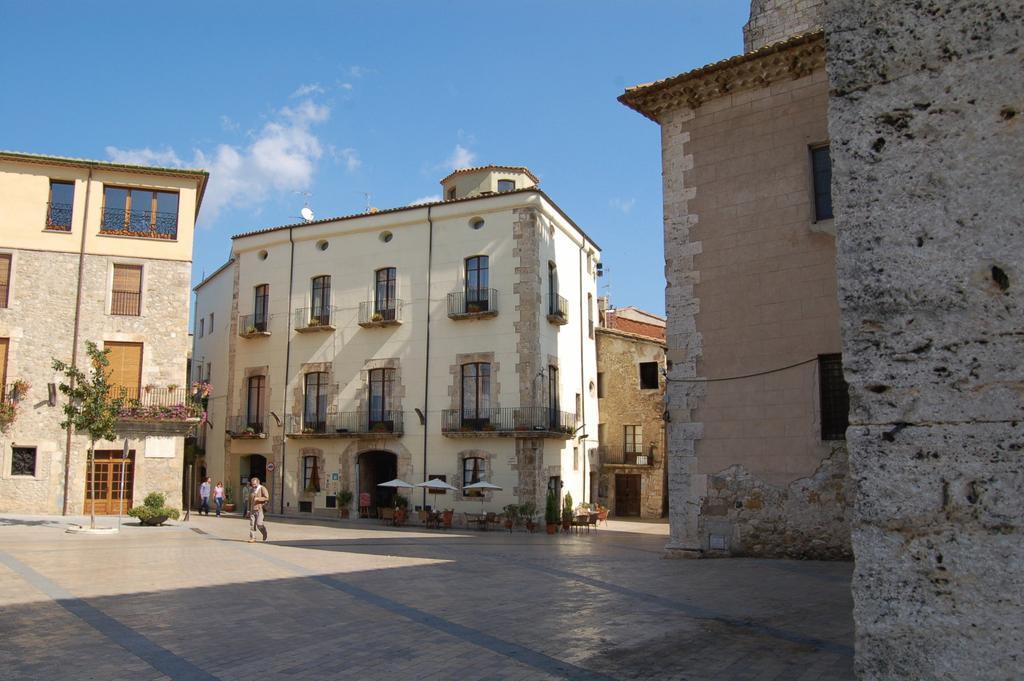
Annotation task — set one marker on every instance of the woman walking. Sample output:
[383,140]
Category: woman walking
[218,497]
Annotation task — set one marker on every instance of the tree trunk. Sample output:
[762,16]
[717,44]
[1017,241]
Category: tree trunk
[92,484]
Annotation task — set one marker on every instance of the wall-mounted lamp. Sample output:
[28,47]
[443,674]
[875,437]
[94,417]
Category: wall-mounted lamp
[277,419]
[51,394]
[422,416]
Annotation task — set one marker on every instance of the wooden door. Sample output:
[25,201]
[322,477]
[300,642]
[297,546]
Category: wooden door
[627,495]
[125,371]
[109,489]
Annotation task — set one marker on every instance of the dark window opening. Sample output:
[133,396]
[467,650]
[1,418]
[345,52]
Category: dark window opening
[506,185]
[385,293]
[314,417]
[835,398]
[821,166]
[476,394]
[648,375]
[261,305]
[600,384]
[254,406]
[381,387]
[23,461]
[58,210]
[474,469]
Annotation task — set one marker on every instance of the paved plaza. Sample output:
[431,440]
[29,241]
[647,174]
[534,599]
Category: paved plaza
[356,600]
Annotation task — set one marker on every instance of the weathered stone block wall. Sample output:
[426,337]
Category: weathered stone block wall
[774,20]
[807,519]
[928,147]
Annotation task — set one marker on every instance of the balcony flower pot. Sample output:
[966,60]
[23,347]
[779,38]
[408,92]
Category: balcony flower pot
[344,501]
[473,309]
[489,427]
[19,389]
[251,330]
[552,528]
[377,317]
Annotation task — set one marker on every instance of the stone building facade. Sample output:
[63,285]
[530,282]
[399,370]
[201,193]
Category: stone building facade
[79,263]
[928,146]
[453,339]
[631,434]
[757,456]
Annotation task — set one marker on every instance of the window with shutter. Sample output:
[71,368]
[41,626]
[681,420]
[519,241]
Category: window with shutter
[5,277]
[124,374]
[126,293]
[4,342]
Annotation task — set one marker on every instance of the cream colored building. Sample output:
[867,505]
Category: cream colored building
[93,251]
[452,339]
[757,401]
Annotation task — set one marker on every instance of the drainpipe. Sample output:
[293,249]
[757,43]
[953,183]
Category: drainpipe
[583,393]
[426,363]
[74,337]
[287,362]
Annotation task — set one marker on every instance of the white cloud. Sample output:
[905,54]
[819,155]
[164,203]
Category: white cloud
[358,71]
[461,158]
[145,157]
[624,205]
[281,157]
[348,156]
[307,90]
[345,86]
[228,124]
[433,198]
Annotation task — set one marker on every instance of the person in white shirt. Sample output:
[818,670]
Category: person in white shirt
[204,495]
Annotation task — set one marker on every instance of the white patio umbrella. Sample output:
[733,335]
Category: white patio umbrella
[436,484]
[397,483]
[483,486]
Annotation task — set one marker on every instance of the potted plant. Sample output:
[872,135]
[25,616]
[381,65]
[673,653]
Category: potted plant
[314,321]
[153,512]
[473,308]
[551,512]
[401,509]
[229,499]
[527,512]
[19,389]
[377,317]
[511,516]
[171,387]
[149,387]
[489,427]
[8,412]
[380,428]
[567,513]
[344,501]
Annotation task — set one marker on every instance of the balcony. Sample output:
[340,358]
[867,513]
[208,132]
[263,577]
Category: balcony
[171,410]
[245,428]
[139,223]
[313,319]
[253,326]
[623,456]
[473,304]
[380,313]
[558,310]
[58,217]
[509,422]
[346,424]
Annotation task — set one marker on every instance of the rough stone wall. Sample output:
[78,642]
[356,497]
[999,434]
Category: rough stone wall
[928,147]
[774,20]
[625,403]
[526,235]
[805,519]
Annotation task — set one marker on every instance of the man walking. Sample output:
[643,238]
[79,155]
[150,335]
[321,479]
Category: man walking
[258,497]
[204,496]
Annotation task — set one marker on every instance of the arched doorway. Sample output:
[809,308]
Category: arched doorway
[374,468]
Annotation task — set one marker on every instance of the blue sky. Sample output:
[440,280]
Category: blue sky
[337,99]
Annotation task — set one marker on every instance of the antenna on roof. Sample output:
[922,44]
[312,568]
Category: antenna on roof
[366,197]
[306,213]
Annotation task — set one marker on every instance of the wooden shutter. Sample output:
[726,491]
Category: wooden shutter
[5,277]
[125,370]
[126,290]
[4,342]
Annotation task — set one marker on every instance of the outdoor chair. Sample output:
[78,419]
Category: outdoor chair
[592,520]
[581,521]
[490,519]
[386,515]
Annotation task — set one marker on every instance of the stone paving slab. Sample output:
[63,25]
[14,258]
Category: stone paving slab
[357,600]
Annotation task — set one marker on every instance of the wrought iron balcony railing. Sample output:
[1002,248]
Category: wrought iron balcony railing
[314,319]
[558,309]
[345,424]
[473,303]
[247,426]
[519,420]
[125,303]
[58,217]
[144,223]
[624,455]
[158,403]
[380,312]
[250,325]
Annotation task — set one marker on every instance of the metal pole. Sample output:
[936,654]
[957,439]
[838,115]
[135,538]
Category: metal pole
[120,501]
[188,501]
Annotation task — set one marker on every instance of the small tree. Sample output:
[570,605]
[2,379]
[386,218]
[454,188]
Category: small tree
[91,408]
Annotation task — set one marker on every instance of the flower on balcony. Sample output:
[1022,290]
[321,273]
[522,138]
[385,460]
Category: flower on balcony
[8,412]
[174,412]
[19,389]
[201,389]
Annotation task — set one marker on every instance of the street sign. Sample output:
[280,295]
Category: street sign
[271,467]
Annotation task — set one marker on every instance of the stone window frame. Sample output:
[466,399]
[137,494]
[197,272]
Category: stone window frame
[811,149]
[298,402]
[243,390]
[488,459]
[300,475]
[35,462]
[397,386]
[455,370]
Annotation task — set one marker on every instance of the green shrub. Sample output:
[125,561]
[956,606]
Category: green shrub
[153,508]
[551,508]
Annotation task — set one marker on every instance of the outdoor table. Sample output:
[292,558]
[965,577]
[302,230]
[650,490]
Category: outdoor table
[479,518]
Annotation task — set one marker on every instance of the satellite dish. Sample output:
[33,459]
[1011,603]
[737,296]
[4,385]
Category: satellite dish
[307,214]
